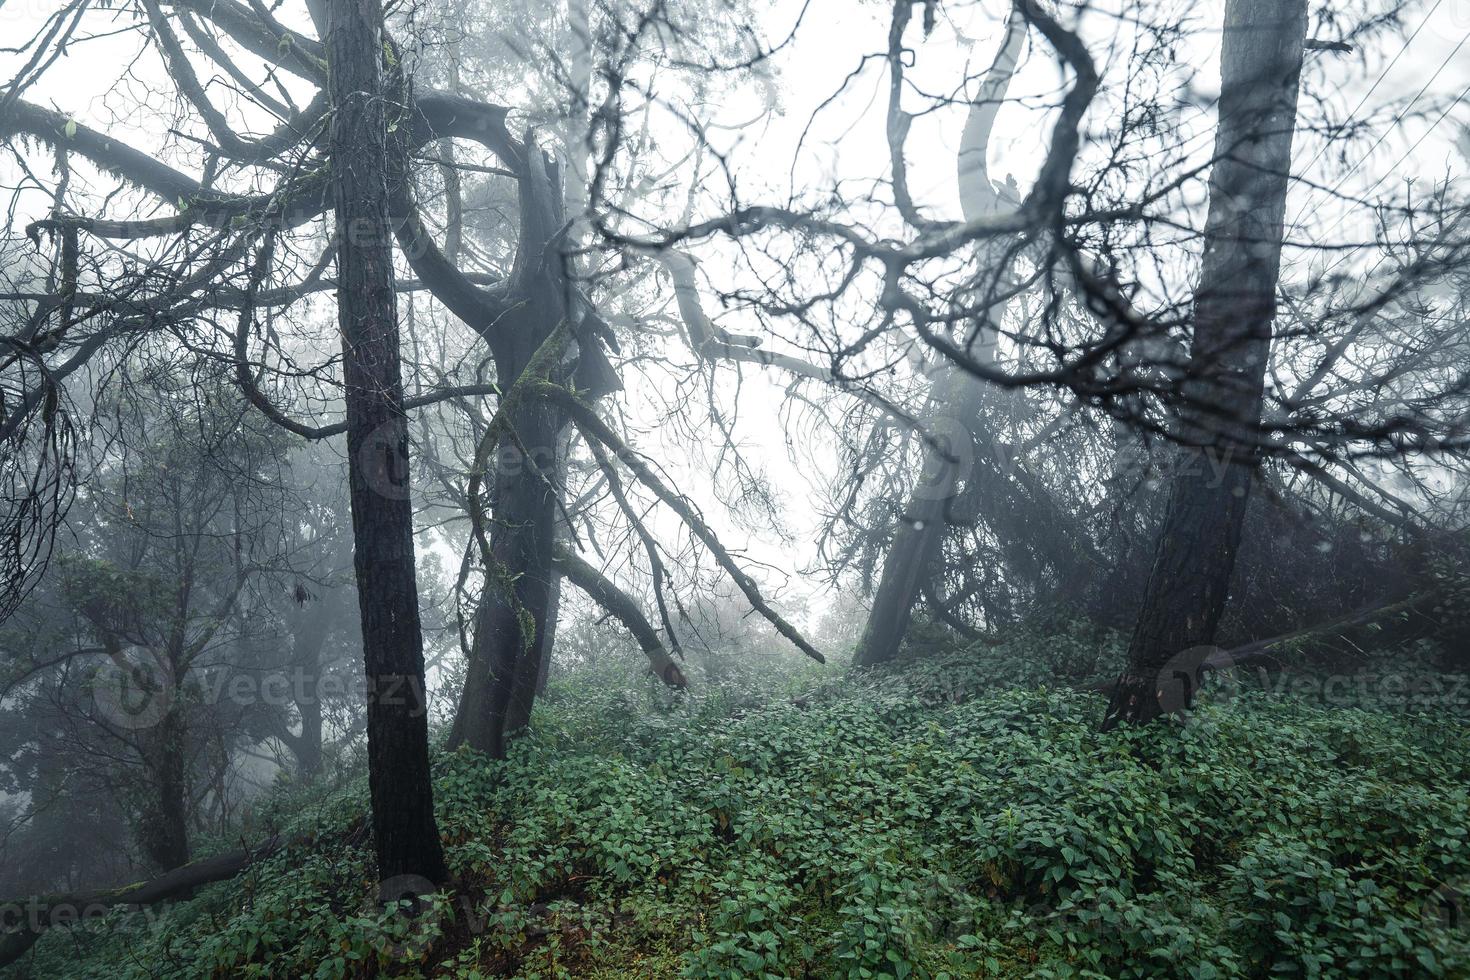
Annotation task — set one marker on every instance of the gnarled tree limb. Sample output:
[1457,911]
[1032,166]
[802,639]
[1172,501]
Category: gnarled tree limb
[601,590]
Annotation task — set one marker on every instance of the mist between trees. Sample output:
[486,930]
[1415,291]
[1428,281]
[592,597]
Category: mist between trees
[393,393]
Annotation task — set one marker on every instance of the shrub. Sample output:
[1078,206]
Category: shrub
[937,819]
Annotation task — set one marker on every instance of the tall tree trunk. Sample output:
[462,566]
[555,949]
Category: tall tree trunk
[511,622]
[310,627]
[540,594]
[308,748]
[1235,305]
[516,623]
[910,559]
[561,533]
[404,831]
[957,399]
[164,833]
[553,617]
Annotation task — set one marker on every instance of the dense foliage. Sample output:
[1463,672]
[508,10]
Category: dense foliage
[924,823]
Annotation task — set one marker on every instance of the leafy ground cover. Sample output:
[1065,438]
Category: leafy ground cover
[949,817]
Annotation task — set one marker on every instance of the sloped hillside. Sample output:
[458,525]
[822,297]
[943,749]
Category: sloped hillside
[921,822]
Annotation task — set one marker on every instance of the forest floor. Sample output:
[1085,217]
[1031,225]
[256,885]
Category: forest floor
[948,817]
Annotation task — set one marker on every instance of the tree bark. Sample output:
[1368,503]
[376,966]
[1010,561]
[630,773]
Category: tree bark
[164,833]
[1235,305]
[536,582]
[514,622]
[908,564]
[553,618]
[511,622]
[404,831]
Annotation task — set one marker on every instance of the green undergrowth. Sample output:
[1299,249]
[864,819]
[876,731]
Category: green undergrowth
[931,820]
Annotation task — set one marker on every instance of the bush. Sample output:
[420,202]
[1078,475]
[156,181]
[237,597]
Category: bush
[941,818]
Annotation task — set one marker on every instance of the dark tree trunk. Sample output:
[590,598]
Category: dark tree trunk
[511,623]
[308,749]
[553,605]
[1235,305]
[512,632]
[404,831]
[535,542]
[164,833]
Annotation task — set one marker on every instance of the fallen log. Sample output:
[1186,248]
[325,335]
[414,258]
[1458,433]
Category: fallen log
[22,922]
[1266,654]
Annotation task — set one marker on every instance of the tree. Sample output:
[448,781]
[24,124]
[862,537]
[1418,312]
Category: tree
[404,831]
[1234,307]
[1085,279]
[238,242]
[109,666]
[958,400]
